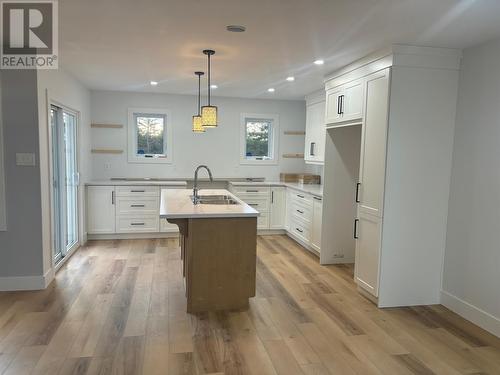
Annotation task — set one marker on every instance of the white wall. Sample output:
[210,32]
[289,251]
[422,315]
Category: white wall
[471,276]
[218,148]
[58,87]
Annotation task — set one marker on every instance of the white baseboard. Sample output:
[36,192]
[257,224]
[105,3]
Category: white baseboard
[470,312]
[16,283]
[131,236]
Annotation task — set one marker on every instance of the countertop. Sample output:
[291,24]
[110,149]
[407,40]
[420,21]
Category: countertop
[177,204]
[313,189]
[135,183]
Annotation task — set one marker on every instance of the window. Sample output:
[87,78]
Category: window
[259,143]
[150,136]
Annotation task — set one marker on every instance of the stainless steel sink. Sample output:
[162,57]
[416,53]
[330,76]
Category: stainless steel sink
[216,199]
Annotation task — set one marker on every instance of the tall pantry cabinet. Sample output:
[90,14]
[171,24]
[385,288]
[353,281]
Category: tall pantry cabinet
[400,104]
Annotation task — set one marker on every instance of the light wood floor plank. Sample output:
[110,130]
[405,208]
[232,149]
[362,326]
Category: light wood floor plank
[119,307]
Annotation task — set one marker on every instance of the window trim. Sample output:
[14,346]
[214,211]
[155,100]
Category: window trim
[132,136]
[274,138]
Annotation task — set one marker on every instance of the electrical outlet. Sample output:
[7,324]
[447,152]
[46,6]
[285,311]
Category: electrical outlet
[25,159]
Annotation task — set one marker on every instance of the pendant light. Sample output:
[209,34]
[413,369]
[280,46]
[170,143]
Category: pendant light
[197,120]
[209,112]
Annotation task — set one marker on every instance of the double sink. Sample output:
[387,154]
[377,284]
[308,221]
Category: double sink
[215,199]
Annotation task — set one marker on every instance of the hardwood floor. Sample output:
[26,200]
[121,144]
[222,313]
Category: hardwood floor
[118,307]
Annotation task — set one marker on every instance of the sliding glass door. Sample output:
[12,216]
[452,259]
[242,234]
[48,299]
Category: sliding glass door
[64,181]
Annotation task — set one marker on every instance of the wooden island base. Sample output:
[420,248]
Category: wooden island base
[219,262]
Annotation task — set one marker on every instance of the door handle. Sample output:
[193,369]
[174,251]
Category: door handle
[357,192]
[356,221]
[311,148]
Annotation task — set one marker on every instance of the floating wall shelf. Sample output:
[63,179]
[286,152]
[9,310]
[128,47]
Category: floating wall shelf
[294,132]
[293,156]
[106,151]
[106,126]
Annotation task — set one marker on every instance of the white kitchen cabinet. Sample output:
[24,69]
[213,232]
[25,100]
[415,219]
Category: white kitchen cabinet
[101,209]
[367,231]
[332,109]
[257,197]
[317,217]
[314,152]
[278,208]
[345,103]
[370,190]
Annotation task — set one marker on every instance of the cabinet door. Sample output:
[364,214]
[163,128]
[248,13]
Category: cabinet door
[316,223]
[165,226]
[374,142]
[278,208]
[333,109]
[352,101]
[368,232]
[315,133]
[100,209]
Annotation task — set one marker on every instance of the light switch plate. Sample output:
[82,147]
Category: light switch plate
[25,159]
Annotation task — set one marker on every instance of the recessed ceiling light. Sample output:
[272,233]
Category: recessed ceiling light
[319,62]
[153,83]
[213,86]
[270,89]
[236,28]
[290,79]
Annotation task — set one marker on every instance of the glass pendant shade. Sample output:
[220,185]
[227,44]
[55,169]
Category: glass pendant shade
[198,124]
[209,116]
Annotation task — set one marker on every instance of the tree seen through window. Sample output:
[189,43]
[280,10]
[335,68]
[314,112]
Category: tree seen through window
[258,142]
[150,133]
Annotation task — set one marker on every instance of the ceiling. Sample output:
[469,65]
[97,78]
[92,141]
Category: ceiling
[124,44]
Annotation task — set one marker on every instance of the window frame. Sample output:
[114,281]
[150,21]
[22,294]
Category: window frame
[274,138]
[132,136]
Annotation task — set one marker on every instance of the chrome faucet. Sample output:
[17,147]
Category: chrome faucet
[195,185]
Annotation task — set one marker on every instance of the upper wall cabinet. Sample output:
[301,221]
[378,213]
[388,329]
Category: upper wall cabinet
[344,104]
[314,152]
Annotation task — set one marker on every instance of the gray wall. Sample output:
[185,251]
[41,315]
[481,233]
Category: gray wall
[471,276]
[21,245]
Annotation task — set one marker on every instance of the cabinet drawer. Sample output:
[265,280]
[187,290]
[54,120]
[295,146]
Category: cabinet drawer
[251,190]
[263,221]
[135,224]
[302,211]
[303,199]
[259,204]
[126,205]
[135,191]
[300,230]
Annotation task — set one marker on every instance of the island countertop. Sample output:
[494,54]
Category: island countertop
[177,204]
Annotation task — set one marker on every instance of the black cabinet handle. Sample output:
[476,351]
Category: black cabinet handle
[356,221]
[300,196]
[252,191]
[339,109]
[318,199]
[300,212]
[137,205]
[357,192]
[342,104]
[137,224]
[311,148]
[113,197]
[299,230]
[272,197]
[137,191]
[253,204]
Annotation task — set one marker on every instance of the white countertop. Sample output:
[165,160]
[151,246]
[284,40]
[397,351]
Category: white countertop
[177,204]
[135,183]
[313,189]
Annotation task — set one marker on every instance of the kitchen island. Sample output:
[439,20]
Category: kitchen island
[218,240]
